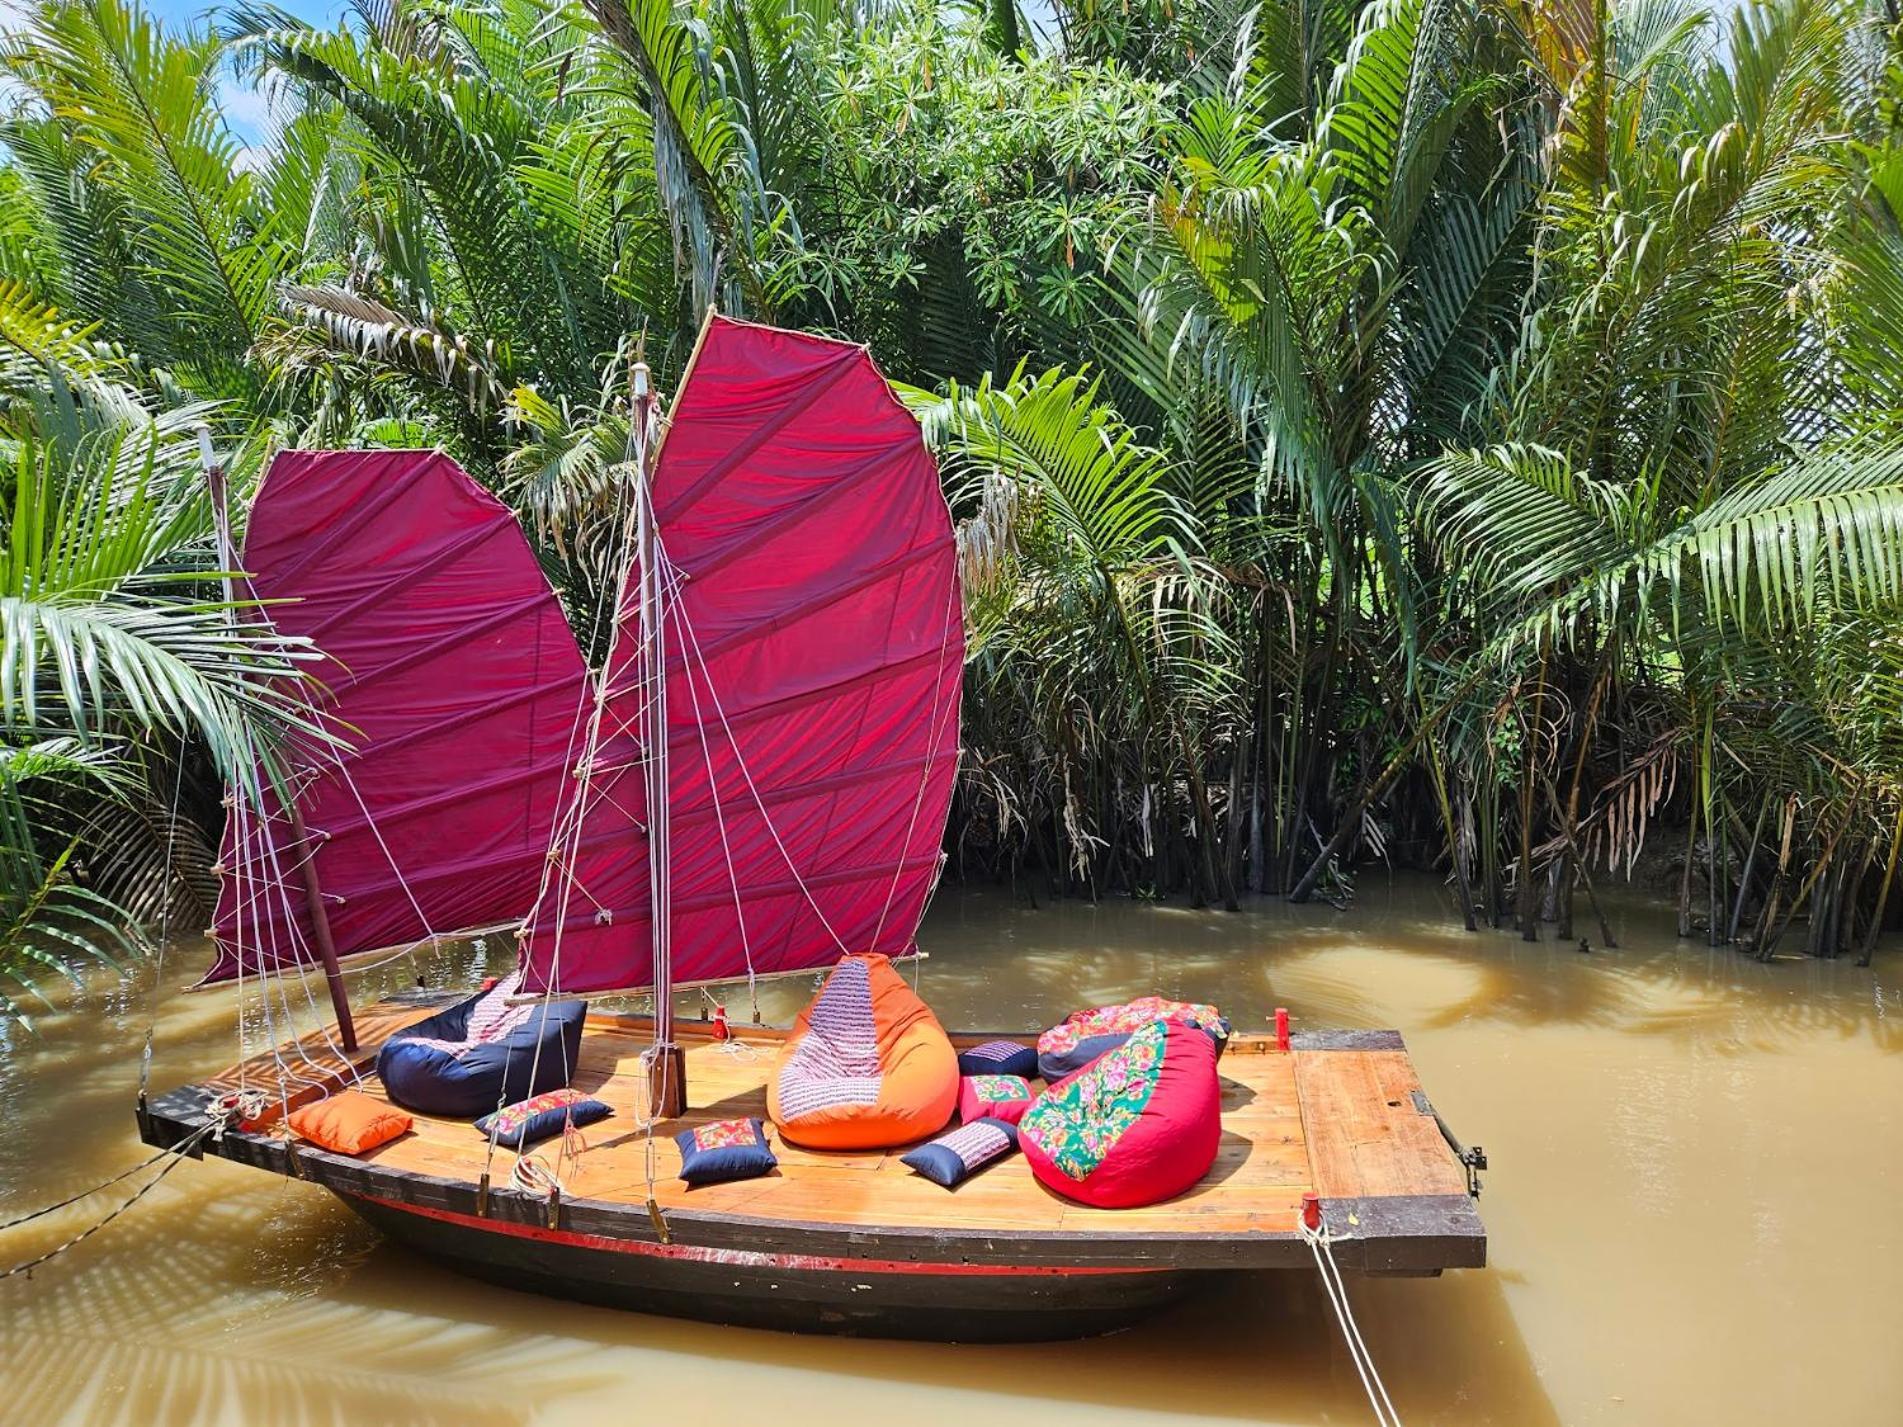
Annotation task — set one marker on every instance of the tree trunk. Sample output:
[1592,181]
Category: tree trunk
[1883,891]
[1439,775]
[1685,877]
[1744,878]
[1529,758]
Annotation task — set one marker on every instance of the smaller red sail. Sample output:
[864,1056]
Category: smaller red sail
[813,638]
[451,676]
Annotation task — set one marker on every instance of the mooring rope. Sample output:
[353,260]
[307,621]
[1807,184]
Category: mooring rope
[177,1154]
[1320,1247]
[73,1199]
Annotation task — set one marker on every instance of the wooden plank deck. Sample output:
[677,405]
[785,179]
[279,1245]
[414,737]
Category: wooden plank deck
[1339,1115]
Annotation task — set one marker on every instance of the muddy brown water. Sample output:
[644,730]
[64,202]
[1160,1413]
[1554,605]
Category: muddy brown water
[1696,1210]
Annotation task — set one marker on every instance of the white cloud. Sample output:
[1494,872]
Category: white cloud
[246,109]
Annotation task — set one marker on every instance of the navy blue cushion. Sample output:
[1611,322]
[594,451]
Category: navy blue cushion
[957,1154]
[537,1056]
[530,1121]
[724,1150]
[999,1058]
[1055,1066]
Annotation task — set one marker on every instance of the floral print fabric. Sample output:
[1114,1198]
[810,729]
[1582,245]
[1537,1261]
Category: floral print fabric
[507,1121]
[1117,1020]
[722,1133]
[1077,1123]
[996,1089]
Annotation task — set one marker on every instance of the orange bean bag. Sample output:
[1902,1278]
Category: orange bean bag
[867,1065]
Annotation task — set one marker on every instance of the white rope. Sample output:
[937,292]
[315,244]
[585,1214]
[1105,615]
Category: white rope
[531,1176]
[565,845]
[270,967]
[251,886]
[1319,1246]
[720,823]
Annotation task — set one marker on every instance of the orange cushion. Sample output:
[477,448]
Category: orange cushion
[350,1122]
[867,1065]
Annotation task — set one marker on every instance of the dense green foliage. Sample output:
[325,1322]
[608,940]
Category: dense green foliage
[1455,430]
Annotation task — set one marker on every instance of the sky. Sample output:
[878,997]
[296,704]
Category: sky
[179,12]
[244,107]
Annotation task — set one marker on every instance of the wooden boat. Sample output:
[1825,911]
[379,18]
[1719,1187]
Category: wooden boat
[766,758]
[855,1242]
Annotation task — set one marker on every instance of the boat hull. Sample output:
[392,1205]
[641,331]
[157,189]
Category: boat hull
[804,1293]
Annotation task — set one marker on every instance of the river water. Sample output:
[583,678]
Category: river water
[1696,1210]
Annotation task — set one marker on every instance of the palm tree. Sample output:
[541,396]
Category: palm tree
[1096,661]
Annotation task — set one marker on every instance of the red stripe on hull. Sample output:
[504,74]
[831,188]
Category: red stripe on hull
[694,1253]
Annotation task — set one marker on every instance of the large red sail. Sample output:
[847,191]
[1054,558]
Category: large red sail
[451,673]
[814,645]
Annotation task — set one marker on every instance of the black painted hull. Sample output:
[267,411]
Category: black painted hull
[942,1302]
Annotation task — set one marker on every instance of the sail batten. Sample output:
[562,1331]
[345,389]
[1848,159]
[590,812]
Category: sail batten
[812,649]
[451,679]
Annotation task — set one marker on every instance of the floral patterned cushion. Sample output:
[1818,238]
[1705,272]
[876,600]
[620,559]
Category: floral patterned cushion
[1006,1097]
[528,1121]
[725,1150]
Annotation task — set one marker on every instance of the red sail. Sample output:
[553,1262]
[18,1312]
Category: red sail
[453,676]
[814,646]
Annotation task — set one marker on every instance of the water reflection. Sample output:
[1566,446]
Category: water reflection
[1679,1138]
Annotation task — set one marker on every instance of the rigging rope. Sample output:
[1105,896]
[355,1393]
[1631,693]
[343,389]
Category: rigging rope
[565,842]
[720,820]
[932,730]
[73,1199]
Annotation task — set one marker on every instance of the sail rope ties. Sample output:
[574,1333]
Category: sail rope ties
[174,1156]
[1315,1234]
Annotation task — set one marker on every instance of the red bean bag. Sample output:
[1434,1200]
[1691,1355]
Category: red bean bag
[867,1065]
[1137,1125]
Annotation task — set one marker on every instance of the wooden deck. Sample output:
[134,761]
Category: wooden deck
[1342,1115]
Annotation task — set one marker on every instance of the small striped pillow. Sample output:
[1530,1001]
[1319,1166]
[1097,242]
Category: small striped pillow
[956,1155]
[998,1058]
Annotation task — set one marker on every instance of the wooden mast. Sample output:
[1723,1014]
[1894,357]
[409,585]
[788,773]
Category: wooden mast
[667,1067]
[306,850]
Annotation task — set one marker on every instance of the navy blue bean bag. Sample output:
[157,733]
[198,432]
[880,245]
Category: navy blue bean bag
[448,1066]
